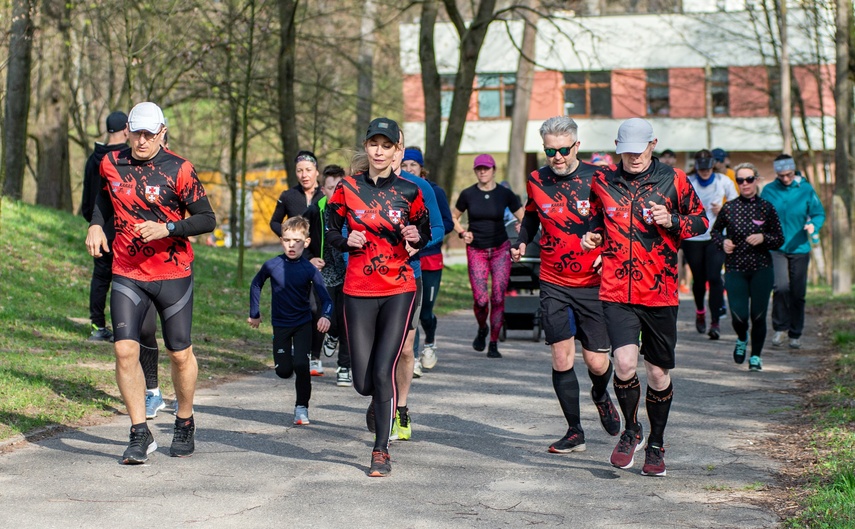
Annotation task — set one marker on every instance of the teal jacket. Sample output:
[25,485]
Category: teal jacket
[796,205]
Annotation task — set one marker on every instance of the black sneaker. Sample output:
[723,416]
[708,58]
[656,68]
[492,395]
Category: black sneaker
[493,351]
[381,465]
[701,322]
[100,334]
[480,341]
[183,443]
[573,441]
[370,420]
[140,446]
[715,331]
[609,416]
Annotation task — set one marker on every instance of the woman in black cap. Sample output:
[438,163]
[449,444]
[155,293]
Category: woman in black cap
[386,218]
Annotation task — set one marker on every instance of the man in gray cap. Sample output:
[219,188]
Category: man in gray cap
[640,213]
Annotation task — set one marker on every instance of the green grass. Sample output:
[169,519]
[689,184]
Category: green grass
[51,376]
[830,502]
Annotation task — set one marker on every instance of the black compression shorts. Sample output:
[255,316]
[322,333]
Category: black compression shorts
[172,298]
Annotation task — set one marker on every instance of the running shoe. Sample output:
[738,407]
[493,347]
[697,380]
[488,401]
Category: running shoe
[417,368]
[573,441]
[316,368]
[755,364]
[330,345]
[609,416]
[701,321]
[370,419]
[183,443]
[153,404]
[714,332]
[140,446]
[480,341]
[739,351]
[342,377]
[428,356]
[795,343]
[381,465]
[623,455]
[778,338]
[654,461]
[402,427]
[493,351]
[100,334]
[301,415]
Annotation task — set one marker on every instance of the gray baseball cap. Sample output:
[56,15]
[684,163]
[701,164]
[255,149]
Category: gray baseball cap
[634,135]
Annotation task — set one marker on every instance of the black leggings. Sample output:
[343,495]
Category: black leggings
[705,260]
[375,329]
[291,349]
[748,293]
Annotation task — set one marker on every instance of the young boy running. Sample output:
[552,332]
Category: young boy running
[292,278]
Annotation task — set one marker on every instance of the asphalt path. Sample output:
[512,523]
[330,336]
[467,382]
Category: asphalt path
[478,455]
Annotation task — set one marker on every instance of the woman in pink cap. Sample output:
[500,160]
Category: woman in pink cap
[487,247]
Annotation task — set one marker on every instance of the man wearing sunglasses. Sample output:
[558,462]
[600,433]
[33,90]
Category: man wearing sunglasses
[802,215]
[559,202]
[641,212]
[150,191]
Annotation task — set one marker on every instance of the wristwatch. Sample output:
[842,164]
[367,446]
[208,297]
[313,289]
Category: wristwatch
[170,227]
[460,234]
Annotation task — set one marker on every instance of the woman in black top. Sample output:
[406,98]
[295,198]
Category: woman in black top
[487,247]
[747,229]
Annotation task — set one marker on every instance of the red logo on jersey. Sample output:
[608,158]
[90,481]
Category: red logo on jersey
[395,216]
[584,207]
[152,193]
[648,215]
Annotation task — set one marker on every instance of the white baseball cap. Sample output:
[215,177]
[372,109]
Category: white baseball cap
[146,116]
[633,136]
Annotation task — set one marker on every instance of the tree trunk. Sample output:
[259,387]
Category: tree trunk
[841,230]
[53,174]
[431,86]
[287,107]
[365,86]
[522,99]
[18,97]
[786,85]
[471,40]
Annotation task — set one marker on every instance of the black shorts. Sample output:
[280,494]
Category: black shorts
[657,326]
[172,298]
[417,306]
[567,312]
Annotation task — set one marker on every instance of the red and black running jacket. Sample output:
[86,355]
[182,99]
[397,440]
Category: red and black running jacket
[639,256]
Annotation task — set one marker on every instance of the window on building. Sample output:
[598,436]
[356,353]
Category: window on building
[657,93]
[446,94]
[588,94]
[622,7]
[495,95]
[719,85]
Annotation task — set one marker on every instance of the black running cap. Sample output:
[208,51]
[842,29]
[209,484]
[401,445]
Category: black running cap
[384,127]
[117,121]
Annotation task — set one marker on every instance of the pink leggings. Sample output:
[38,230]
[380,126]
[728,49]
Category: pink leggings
[484,262]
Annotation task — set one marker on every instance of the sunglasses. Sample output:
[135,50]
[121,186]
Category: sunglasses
[750,180]
[563,150]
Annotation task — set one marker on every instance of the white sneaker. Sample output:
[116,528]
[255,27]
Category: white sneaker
[301,415]
[316,368]
[778,338]
[428,356]
[343,378]
[330,345]
[417,368]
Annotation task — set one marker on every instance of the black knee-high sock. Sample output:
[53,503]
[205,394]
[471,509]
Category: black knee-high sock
[658,408]
[600,383]
[628,393]
[567,389]
[148,361]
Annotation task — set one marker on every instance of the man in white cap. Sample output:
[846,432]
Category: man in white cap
[640,213]
[150,191]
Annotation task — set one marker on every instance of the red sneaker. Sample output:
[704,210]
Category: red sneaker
[654,461]
[623,455]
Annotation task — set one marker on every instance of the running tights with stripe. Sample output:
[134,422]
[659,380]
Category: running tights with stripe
[375,329]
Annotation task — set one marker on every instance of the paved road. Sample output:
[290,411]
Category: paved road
[478,457]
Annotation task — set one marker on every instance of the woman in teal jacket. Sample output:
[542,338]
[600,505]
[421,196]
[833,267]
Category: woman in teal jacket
[802,215]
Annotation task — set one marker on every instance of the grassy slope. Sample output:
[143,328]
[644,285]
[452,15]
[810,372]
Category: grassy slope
[50,375]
